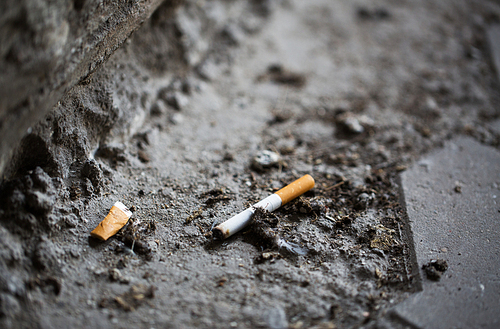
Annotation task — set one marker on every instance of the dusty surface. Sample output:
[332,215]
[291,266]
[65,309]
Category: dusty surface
[349,92]
[46,47]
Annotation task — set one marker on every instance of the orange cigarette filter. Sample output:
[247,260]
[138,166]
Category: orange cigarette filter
[117,217]
[298,187]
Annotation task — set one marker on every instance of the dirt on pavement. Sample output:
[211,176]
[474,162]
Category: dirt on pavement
[350,92]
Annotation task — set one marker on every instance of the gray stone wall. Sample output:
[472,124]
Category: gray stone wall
[46,47]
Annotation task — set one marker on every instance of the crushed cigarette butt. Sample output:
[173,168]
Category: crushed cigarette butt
[117,217]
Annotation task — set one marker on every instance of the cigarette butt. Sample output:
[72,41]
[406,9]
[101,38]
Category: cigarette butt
[271,203]
[117,217]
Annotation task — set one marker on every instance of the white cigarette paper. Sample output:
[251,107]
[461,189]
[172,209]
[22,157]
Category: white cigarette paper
[238,222]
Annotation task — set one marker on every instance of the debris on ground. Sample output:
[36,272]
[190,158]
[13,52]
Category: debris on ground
[115,275]
[354,124]
[265,228]
[46,283]
[176,118]
[143,156]
[129,301]
[221,281]
[278,74]
[215,196]
[269,256]
[136,236]
[195,214]
[435,269]
[383,238]
[176,99]
[265,159]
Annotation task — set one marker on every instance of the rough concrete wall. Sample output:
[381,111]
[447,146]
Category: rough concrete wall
[106,106]
[46,47]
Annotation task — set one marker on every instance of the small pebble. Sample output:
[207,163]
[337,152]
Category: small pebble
[265,159]
[158,108]
[353,125]
[143,156]
[176,118]
[176,99]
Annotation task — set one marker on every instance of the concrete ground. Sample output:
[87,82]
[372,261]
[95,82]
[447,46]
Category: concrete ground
[453,203]
[356,93]
[452,198]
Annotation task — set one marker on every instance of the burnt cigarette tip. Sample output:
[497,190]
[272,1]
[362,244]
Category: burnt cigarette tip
[217,234]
